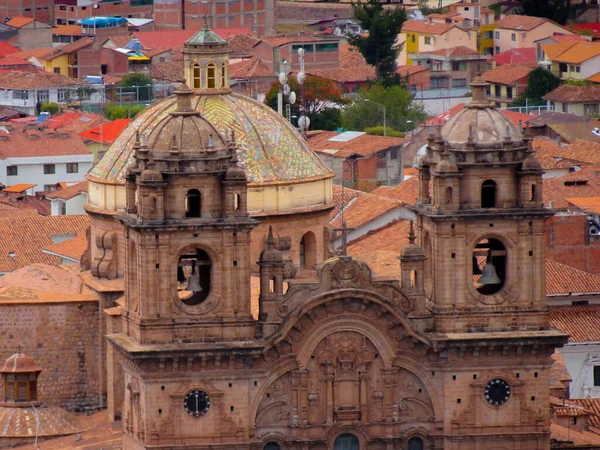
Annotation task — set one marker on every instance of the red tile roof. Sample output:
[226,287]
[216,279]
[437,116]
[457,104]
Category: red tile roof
[459,50]
[391,238]
[515,117]
[339,200]
[565,280]
[567,93]
[516,56]
[7,49]
[419,26]
[250,68]
[581,184]
[19,188]
[176,38]
[522,23]
[582,322]
[405,192]
[69,192]
[68,30]
[363,145]
[19,21]
[590,204]
[353,67]
[38,80]
[24,143]
[591,404]
[366,208]
[168,70]
[23,238]
[278,41]
[241,44]
[507,73]
[16,63]
[107,132]
[576,53]
[71,248]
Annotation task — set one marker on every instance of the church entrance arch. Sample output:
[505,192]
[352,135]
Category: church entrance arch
[346,442]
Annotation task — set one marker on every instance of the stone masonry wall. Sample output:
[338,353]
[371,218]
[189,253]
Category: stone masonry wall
[65,340]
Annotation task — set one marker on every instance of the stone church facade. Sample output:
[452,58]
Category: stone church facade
[454,355]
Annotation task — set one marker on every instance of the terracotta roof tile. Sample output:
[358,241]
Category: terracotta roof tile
[419,26]
[69,192]
[363,145]
[572,438]
[7,49]
[567,93]
[119,41]
[405,192]
[516,56]
[390,238]
[70,248]
[38,53]
[26,202]
[15,62]
[366,208]
[7,210]
[459,50]
[563,279]
[25,143]
[591,404]
[168,70]
[339,200]
[522,23]
[241,44]
[250,68]
[582,322]
[176,38]
[38,80]
[554,50]
[581,184]
[278,41]
[19,188]
[353,67]
[23,238]
[68,30]
[76,121]
[382,263]
[578,53]
[554,156]
[507,73]
[19,21]
[105,133]
[558,370]
[590,204]
[410,70]
[594,78]
[41,277]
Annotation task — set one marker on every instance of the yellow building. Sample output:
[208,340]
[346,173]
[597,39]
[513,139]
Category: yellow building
[485,38]
[573,60]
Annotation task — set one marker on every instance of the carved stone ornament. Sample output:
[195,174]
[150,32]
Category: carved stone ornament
[104,264]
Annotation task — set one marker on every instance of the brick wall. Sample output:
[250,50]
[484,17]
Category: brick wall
[64,339]
[568,242]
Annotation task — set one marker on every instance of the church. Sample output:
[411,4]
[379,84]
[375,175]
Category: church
[209,189]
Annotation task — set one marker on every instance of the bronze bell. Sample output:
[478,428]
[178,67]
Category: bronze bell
[194,282]
[489,275]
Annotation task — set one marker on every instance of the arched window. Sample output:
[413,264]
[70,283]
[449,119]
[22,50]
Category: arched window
[194,277]
[271,446]
[488,194]
[211,76]
[196,76]
[20,387]
[236,201]
[223,76]
[448,195]
[532,193]
[193,203]
[490,274]
[413,278]
[415,443]
[346,442]
[152,205]
[308,250]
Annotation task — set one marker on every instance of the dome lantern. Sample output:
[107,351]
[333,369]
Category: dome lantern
[20,374]
[206,62]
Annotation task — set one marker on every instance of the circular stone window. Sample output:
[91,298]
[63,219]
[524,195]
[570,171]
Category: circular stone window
[194,277]
[489,266]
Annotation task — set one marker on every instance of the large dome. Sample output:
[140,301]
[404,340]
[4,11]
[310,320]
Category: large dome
[270,149]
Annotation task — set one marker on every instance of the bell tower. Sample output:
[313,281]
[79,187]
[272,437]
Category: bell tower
[481,222]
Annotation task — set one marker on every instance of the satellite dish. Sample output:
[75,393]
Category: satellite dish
[303,123]
[282,77]
[292,97]
[286,89]
[301,77]
[300,52]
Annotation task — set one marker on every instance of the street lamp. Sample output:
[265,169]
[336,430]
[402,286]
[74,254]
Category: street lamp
[384,117]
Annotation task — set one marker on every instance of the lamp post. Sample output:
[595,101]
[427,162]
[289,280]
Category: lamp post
[384,116]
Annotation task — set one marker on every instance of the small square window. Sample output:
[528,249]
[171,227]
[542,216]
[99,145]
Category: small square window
[412,38]
[596,375]
[427,40]
[49,169]
[513,37]
[72,168]
[12,171]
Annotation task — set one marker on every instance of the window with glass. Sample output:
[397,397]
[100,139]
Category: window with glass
[459,66]
[596,375]
[459,82]
[196,76]
[72,167]
[513,37]
[61,95]
[326,48]
[427,40]
[497,35]
[308,48]
[43,95]
[211,76]
[20,94]
[12,171]
[49,169]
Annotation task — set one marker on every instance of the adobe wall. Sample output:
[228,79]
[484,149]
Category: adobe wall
[568,242]
[65,340]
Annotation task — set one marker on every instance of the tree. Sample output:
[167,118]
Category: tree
[322,97]
[50,107]
[141,85]
[112,111]
[556,10]
[540,82]
[402,114]
[379,47]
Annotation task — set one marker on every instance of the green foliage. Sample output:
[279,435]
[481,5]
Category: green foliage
[426,10]
[577,82]
[50,107]
[112,111]
[540,82]
[497,8]
[379,47]
[378,131]
[402,114]
[556,10]
[322,98]
[135,79]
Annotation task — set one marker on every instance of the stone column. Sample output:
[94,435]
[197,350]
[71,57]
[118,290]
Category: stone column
[387,394]
[329,377]
[364,397]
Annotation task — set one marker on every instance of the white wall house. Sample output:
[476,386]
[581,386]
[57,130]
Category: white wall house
[69,200]
[23,91]
[31,155]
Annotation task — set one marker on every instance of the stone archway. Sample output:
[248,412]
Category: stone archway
[346,441]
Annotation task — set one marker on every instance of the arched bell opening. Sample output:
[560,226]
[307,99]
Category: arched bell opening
[193,203]
[489,266]
[488,194]
[346,441]
[194,271]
